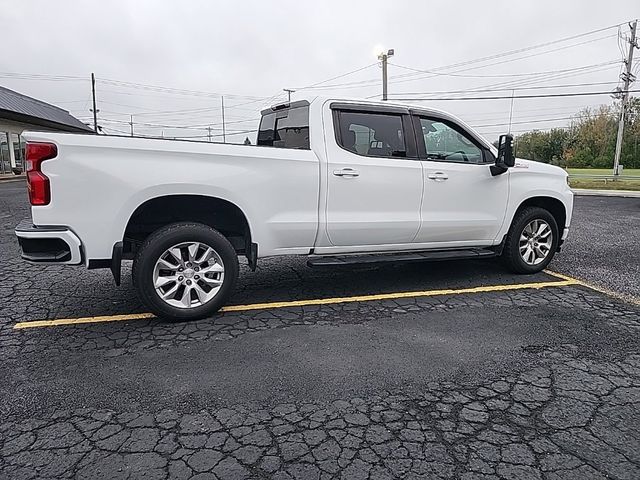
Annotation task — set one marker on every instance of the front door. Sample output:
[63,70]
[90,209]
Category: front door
[374,187]
[463,203]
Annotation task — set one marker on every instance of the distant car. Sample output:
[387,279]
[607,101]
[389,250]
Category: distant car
[340,181]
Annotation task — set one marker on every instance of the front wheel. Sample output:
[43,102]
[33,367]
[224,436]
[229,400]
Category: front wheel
[532,241]
[185,271]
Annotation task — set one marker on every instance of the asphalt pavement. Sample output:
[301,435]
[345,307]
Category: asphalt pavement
[604,244]
[501,382]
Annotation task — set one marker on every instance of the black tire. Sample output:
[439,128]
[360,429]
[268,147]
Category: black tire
[166,237]
[511,252]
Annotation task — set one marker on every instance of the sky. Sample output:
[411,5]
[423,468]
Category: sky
[167,63]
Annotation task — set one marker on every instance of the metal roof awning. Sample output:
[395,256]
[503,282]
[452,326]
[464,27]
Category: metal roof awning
[21,108]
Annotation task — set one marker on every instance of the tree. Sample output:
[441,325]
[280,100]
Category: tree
[589,141]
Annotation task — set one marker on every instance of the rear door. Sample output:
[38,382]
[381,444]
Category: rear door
[463,203]
[374,186]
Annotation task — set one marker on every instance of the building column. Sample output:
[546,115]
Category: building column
[12,155]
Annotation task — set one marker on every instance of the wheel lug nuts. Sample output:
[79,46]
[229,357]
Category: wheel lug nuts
[181,278]
[197,269]
[188,265]
[197,277]
[188,282]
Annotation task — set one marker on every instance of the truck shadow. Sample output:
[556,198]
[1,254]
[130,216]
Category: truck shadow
[282,280]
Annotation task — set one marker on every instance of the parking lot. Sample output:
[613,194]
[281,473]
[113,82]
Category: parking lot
[424,370]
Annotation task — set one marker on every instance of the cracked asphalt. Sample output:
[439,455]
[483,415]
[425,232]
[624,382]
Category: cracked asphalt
[520,384]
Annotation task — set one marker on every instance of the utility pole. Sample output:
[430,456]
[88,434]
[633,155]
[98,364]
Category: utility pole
[209,132]
[289,91]
[94,109]
[628,77]
[383,57]
[131,124]
[224,133]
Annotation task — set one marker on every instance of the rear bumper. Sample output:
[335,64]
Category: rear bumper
[48,244]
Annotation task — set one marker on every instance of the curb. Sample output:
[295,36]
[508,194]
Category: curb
[606,193]
[11,178]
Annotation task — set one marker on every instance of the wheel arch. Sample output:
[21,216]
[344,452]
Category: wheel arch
[553,205]
[225,216]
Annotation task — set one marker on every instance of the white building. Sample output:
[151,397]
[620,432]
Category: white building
[19,113]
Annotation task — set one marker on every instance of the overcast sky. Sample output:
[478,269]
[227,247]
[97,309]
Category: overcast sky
[249,51]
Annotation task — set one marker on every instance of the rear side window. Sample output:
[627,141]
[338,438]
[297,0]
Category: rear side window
[372,134]
[286,128]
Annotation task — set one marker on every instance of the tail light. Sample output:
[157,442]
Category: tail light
[37,182]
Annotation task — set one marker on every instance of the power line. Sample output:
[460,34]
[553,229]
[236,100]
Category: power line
[549,95]
[494,116]
[546,78]
[537,87]
[525,122]
[434,72]
[172,90]
[526,130]
[501,75]
[337,77]
[39,76]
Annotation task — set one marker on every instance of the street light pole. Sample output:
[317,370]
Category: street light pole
[383,57]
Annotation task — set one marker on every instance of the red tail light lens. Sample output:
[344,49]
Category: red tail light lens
[37,182]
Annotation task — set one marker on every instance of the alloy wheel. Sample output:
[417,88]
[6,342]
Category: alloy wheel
[188,275]
[535,242]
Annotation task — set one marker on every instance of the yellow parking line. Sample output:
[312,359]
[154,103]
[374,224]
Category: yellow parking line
[397,295]
[304,303]
[77,321]
[604,291]
[562,276]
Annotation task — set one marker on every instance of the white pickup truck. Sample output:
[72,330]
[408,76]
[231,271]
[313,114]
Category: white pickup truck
[340,181]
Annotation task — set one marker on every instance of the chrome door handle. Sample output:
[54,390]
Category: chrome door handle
[346,172]
[438,176]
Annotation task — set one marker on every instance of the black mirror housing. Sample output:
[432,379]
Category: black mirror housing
[506,158]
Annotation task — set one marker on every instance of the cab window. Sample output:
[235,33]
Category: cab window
[445,141]
[371,134]
[285,128]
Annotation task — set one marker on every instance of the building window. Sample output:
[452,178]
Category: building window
[5,158]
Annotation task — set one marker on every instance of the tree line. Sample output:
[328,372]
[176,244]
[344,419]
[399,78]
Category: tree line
[589,141]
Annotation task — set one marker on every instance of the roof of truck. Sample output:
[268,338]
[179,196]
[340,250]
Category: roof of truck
[390,104]
[302,98]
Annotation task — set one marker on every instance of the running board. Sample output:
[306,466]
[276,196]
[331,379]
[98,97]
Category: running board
[430,255]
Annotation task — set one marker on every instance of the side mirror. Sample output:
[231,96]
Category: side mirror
[505,151]
[505,158]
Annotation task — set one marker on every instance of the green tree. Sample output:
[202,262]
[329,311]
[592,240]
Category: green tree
[590,140]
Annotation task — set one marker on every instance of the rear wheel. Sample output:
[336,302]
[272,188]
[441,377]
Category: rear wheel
[185,271]
[532,241]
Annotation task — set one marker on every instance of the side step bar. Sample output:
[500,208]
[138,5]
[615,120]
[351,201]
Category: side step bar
[431,255]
